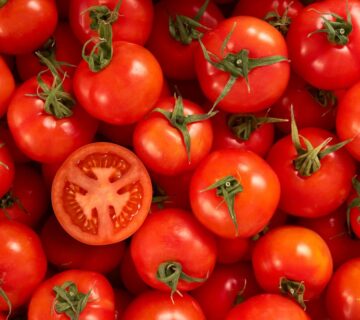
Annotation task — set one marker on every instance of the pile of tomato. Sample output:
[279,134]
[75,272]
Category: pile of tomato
[179,160]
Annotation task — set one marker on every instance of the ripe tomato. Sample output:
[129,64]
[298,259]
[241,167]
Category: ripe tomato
[23,263]
[343,293]
[125,90]
[269,307]
[101,194]
[173,244]
[7,169]
[63,8]
[133,24]
[7,86]
[27,199]
[46,303]
[245,178]
[175,55]
[251,40]
[292,260]
[353,212]
[122,301]
[65,252]
[26,24]
[17,155]
[326,58]
[233,250]
[158,305]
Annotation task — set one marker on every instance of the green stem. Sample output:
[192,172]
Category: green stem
[8,201]
[3,3]
[355,203]
[281,23]
[294,289]
[324,97]
[7,300]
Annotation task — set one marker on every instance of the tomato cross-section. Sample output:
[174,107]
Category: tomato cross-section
[101,194]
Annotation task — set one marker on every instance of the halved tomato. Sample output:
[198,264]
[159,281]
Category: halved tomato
[101,194]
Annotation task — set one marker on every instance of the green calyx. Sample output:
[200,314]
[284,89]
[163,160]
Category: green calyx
[184,29]
[227,188]
[294,289]
[159,196]
[308,160]
[7,300]
[101,53]
[8,201]
[170,273]
[179,120]
[355,203]
[3,3]
[243,125]
[279,22]
[325,98]
[69,300]
[337,30]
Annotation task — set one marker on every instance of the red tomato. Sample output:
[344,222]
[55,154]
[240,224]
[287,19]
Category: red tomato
[100,303]
[353,211]
[122,301]
[26,24]
[172,242]
[48,171]
[5,134]
[251,38]
[247,178]
[101,194]
[233,250]
[7,169]
[65,252]
[7,86]
[291,257]
[176,56]
[325,61]
[23,263]
[316,309]
[63,8]
[343,293]
[62,46]
[269,307]
[42,136]
[158,305]
[125,90]
[319,193]
[27,200]
[160,144]
[228,286]
[348,120]
[133,24]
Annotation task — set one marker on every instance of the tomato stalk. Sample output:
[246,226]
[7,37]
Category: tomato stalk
[355,203]
[279,22]
[69,300]
[9,200]
[171,272]
[4,165]
[7,300]
[293,288]
[227,188]
[325,98]
[3,3]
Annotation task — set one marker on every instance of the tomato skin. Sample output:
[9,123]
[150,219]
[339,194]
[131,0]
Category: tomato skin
[101,194]
[22,262]
[65,252]
[157,305]
[281,251]
[179,238]
[120,93]
[161,146]
[354,215]
[100,306]
[258,181]
[26,24]
[267,83]
[177,59]
[7,86]
[267,306]
[343,294]
[322,192]
[63,8]
[321,63]
[7,169]
[233,250]
[122,301]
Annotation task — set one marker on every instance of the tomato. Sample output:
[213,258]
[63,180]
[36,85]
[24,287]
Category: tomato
[316,309]
[45,303]
[343,294]
[172,242]
[158,305]
[251,38]
[48,171]
[7,169]
[26,24]
[246,178]
[63,8]
[101,194]
[233,250]
[160,143]
[314,193]
[133,24]
[125,90]
[23,263]
[267,306]
[122,301]
[27,199]
[327,60]
[39,133]
[7,86]
[353,212]
[6,136]
[348,120]
[227,285]
[279,253]
[175,55]
[65,252]
[62,46]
